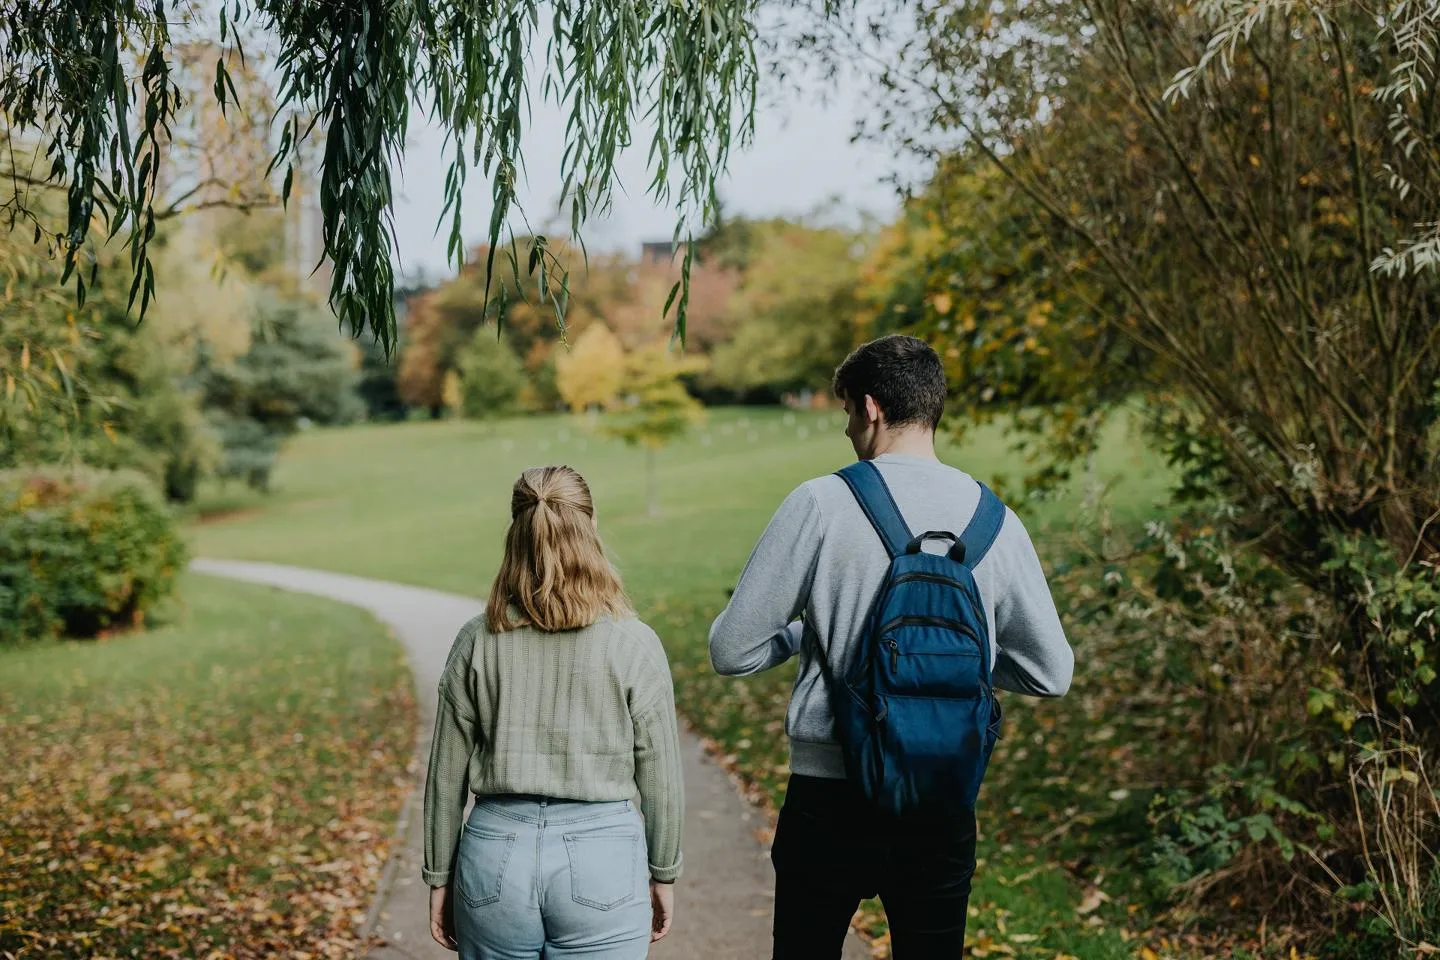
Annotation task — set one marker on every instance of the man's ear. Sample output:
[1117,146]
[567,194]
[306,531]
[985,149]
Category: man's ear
[873,413]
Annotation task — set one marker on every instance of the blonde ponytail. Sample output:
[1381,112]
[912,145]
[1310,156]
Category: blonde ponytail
[555,575]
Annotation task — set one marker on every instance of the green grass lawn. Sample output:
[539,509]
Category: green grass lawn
[227,783]
[428,504]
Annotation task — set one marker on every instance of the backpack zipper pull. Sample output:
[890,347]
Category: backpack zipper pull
[894,654]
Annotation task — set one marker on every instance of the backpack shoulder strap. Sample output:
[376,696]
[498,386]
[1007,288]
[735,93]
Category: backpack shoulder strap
[865,482]
[983,528]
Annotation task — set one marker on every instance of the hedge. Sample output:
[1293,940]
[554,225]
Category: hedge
[82,552]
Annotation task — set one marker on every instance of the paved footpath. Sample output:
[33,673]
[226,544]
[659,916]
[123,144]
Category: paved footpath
[723,903]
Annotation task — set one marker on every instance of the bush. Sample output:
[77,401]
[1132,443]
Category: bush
[298,370]
[1306,791]
[100,389]
[81,552]
[250,449]
[491,377]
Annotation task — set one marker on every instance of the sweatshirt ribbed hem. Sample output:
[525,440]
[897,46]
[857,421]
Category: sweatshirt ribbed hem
[817,760]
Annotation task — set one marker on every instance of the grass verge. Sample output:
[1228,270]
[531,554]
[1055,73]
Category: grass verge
[225,786]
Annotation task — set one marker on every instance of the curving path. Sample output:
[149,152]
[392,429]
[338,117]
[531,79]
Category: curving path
[724,901]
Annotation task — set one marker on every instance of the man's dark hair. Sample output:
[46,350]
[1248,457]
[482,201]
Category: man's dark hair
[903,374]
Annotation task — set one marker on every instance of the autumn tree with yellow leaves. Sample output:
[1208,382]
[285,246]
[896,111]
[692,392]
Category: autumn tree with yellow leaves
[590,373]
[656,408]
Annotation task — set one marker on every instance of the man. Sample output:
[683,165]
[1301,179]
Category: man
[820,559]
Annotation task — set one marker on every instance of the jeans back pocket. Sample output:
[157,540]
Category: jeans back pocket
[480,865]
[603,867]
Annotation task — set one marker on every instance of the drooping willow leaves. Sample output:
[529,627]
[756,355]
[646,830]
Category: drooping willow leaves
[88,87]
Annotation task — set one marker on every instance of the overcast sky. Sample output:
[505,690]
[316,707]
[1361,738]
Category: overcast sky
[802,157]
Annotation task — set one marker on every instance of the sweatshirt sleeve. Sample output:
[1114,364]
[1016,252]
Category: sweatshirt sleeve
[446,783]
[757,630]
[661,786]
[1032,655]
[658,776]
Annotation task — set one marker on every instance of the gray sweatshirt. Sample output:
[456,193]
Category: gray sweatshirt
[821,557]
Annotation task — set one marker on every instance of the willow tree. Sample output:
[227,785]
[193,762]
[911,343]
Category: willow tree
[94,91]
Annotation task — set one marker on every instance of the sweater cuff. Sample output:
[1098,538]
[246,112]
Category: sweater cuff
[667,874]
[435,878]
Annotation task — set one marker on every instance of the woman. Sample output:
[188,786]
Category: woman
[554,707]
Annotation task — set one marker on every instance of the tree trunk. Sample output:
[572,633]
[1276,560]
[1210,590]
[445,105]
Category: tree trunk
[652,491]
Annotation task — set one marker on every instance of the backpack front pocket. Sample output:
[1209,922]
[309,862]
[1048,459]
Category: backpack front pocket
[604,867]
[931,657]
[480,865]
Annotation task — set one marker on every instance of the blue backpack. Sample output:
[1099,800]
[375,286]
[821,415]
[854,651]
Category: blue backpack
[916,715]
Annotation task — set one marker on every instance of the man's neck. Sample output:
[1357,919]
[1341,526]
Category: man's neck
[907,443]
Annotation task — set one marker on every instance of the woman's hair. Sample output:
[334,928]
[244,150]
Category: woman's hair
[555,575]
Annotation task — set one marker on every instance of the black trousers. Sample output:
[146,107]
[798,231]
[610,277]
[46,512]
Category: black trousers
[832,850]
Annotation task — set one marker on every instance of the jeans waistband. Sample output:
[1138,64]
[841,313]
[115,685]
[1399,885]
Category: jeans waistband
[532,809]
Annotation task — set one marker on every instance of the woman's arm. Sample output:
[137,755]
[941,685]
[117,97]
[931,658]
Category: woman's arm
[660,781]
[446,785]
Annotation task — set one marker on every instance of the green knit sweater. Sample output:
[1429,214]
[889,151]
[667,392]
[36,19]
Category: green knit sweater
[584,714]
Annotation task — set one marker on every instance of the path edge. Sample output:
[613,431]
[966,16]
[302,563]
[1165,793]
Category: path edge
[413,799]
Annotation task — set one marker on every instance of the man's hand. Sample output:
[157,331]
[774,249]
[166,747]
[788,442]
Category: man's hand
[442,926]
[662,905]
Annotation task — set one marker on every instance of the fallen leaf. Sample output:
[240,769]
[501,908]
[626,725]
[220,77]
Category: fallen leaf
[1093,898]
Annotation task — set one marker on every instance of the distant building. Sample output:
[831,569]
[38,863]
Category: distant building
[657,251]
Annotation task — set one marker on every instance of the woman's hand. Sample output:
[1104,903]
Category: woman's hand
[441,926]
[662,906]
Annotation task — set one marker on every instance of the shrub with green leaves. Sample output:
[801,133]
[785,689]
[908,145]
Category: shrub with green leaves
[82,552]
[296,372]
[492,377]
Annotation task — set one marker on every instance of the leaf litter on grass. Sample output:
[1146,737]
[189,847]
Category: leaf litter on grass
[224,789]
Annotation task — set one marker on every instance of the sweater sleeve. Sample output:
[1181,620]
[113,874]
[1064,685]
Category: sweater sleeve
[446,783]
[757,630]
[1032,655]
[658,776]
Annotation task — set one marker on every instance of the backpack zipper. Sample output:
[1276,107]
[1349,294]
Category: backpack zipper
[893,645]
[930,577]
[922,621]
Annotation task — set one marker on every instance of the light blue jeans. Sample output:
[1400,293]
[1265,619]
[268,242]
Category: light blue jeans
[554,878]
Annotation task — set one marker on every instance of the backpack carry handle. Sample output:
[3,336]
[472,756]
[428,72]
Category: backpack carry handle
[957,550]
[870,491]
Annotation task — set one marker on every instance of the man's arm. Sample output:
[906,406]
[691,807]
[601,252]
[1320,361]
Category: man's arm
[757,629]
[1032,655]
